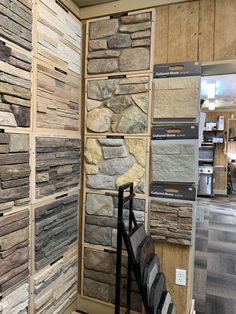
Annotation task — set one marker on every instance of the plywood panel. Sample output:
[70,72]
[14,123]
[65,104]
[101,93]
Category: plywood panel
[161,35]
[183,31]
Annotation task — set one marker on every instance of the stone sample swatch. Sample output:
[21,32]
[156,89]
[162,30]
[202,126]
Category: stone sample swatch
[58,98]
[16,22]
[55,229]
[14,250]
[16,302]
[120,44]
[55,288]
[15,87]
[99,278]
[57,165]
[112,162]
[171,222]
[101,212]
[58,35]
[118,105]
[174,161]
[176,97]
[14,170]
[157,289]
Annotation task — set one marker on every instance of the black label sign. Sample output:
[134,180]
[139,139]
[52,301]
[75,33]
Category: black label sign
[175,132]
[177,69]
[173,190]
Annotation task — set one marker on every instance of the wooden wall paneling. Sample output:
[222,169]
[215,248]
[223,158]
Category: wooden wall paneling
[161,35]
[183,31]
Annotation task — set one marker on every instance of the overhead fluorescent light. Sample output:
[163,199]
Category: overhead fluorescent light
[212,105]
[211,90]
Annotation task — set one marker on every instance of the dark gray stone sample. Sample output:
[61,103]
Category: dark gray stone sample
[151,269]
[136,237]
[157,289]
[145,252]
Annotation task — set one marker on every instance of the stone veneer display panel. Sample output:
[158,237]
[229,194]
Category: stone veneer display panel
[176,97]
[16,22]
[14,250]
[15,87]
[174,161]
[58,35]
[99,278]
[171,222]
[119,44]
[56,286]
[113,162]
[55,229]
[16,302]
[58,98]
[118,105]
[101,212]
[57,165]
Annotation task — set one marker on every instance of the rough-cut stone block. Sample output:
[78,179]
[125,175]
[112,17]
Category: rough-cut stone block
[117,169]
[171,221]
[58,163]
[16,302]
[118,105]
[55,229]
[129,36]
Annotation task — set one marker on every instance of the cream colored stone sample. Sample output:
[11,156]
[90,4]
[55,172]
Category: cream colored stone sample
[93,151]
[91,169]
[137,147]
[134,174]
[99,120]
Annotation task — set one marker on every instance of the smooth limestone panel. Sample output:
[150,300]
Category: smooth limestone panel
[55,287]
[16,22]
[171,221]
[101,212]
[58,35]
[118,105]
[58,98]
[119,44]
[15,87]
[57,165]
[56,229]
[99,278]
[16,302]
[14,250]
[112,162]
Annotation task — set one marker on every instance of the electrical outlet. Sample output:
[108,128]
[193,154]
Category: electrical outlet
[180,277]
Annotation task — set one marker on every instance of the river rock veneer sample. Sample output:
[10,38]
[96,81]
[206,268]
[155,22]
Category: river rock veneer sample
[58,98]
[113,162]
[118,105]
[57,165]
[14,250]
[15,87]
[58,35]
[176,97]
[171,221]
[101,212]
[55,229]
[16,302]
[55,288]
[99,278]
[119,44]
[174,162]
[16,22]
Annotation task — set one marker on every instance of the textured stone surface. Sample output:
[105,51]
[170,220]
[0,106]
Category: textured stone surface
[60,159]
[119,161]
[118,105]
[16,302]
[55,229]
[122,34]
[171,222]
[174,162]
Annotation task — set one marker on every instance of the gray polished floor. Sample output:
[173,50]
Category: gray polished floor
[215,256]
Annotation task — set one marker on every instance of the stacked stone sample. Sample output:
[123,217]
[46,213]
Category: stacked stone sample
[16,302]
[58,98]
[14,250]
[16,22]
[118,105]
[120,44]
[113,162]
[176,97]
[99,278]
[174,161]
[14,170]
[56,286]
[58,35]
[101,212]
[57,165]
[171,221]
[15,86]
[55,229]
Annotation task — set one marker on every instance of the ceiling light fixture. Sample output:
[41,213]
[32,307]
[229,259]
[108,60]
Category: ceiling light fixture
[211,90]
[212,105]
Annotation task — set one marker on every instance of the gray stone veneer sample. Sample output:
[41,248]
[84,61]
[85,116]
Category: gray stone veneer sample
[16,302]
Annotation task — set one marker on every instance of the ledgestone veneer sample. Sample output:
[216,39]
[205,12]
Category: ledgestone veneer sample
[16,302]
